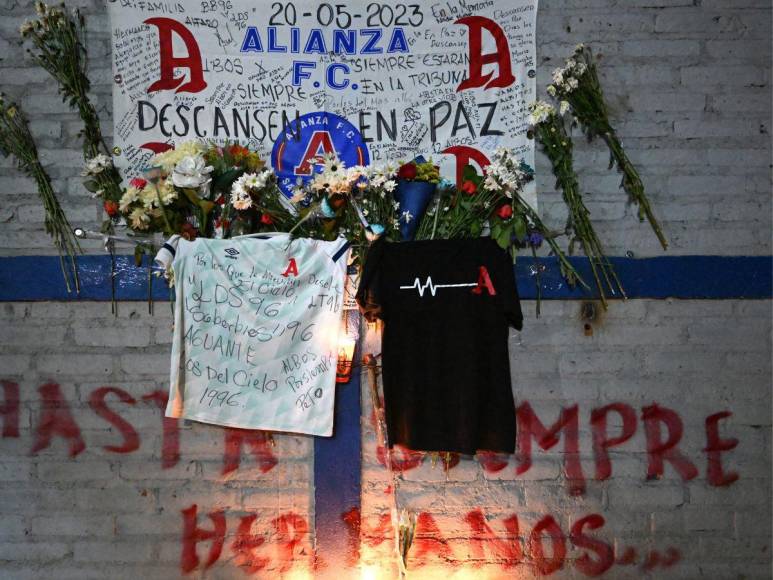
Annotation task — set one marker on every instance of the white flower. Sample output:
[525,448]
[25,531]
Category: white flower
[169,159]
[330,163]
[558,76]
[540,111]
[581,68]
[191,171]
[396,204]
[390,185]
[139,218]
[27,27]
[96,165]
[579,48]
[131,195]
[571,84]
[407,216]
[163,190]
[490,183]
[251,181]
[551,89]
[563,107]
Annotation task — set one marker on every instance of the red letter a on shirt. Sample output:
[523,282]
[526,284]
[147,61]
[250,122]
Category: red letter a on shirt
[484,281]
[292,269]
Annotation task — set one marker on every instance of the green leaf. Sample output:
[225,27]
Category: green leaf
[519,226]
[503,239]
[469,173]
[91,186]
[222,182]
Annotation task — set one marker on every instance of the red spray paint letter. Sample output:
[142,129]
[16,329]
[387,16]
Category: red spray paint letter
[169,62]
[259,444]
[193,534]
[508,549]
[170,442]
[529,426]
[715,446]
[555,562]
[602,442]
[501,57]
[245,544]
[56,419]
[9,410]
[659,450]
[604,552]
[429,540]
[292,530]
[131,439]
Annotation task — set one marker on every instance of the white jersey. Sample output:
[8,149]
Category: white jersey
[256,332]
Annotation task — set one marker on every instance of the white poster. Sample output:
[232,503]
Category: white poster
[372,81]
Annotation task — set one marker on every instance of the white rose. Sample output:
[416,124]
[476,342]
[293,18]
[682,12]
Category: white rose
[191,171]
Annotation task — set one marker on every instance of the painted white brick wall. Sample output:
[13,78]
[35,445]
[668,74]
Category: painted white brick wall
[689,83]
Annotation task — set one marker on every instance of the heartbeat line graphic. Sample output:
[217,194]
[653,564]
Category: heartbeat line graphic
[422,288]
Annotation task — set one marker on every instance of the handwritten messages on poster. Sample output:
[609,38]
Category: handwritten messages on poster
[449,80]
[256,332]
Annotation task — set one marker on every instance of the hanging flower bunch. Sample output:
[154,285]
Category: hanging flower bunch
[16,140]
[57,39]
[551,133]
[577,84]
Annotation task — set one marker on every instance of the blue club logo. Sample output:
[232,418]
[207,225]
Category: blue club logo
[308,137]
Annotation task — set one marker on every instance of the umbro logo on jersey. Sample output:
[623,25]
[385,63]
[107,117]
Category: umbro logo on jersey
[231,253]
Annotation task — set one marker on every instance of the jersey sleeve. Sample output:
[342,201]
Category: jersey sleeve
[507,290]
[369,294]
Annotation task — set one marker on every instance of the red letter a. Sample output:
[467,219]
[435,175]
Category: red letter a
[484,281]
[319,140]
[169,62]
[292,269]
[477,59]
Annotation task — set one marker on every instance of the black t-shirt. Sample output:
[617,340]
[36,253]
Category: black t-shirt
[446,307]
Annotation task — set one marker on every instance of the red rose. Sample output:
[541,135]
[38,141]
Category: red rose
[266,219]
[220,200]
[407,171]
[189,232]
[469,187]
[505,212]
[138,183]
[111,208]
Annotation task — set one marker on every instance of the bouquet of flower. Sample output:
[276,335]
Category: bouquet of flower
[578,85]
[16,140]
[557,145]
[258,205]
[57,39]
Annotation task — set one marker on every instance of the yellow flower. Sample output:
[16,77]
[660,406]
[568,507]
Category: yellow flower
[11,112]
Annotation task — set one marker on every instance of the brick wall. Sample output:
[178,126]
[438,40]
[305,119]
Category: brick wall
[114,496]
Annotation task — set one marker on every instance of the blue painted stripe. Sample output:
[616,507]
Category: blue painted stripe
[717,277]
[337,472]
